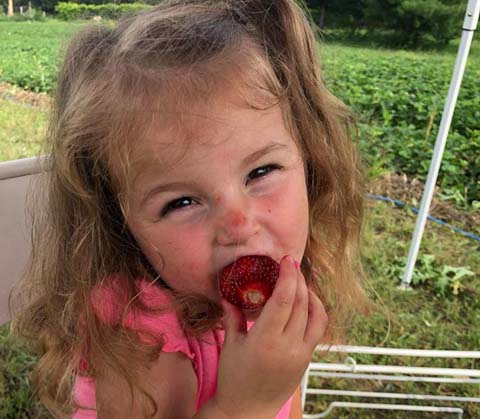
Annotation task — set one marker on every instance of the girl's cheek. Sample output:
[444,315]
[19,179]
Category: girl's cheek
[270,203]
[277,195]
[182,249]
[184,236]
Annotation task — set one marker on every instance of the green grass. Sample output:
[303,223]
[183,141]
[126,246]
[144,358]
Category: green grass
[16,398]
[422,317]
[22,129]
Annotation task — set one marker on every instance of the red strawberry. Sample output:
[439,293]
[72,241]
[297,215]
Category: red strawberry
[249,281]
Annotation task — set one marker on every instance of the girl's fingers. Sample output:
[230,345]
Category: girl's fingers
[317,320]
[277,310]
[234,321]
[299,317]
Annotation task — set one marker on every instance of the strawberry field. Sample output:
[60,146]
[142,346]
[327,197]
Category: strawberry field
[30,53]
[398,97]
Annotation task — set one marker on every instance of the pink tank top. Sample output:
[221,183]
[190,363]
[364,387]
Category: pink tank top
[203,352]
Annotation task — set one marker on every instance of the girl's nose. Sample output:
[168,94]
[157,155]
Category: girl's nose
[236,226]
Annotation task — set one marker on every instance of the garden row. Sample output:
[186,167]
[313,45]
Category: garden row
[399,99]
[398,96]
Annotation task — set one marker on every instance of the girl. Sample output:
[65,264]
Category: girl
[183,138]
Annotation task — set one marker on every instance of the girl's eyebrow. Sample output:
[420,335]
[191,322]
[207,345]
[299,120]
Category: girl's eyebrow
[161,188]
[251,158]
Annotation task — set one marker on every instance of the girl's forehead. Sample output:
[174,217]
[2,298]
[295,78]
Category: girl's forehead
[180,114]
[208,123]
[220,129]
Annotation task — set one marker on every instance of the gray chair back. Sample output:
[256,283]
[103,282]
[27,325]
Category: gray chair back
[15,181]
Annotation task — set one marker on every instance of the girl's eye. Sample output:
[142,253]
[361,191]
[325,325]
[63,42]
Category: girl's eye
[177,204]
[262,171]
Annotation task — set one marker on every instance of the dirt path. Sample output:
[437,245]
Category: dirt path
[410,190]
[11,92]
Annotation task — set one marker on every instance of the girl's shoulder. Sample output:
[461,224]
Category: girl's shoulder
[155,318]
[111,301]
[154,321]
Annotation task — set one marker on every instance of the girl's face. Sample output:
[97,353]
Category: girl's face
[225,182]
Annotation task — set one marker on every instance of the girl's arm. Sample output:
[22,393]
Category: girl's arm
[170,380]
[172,383]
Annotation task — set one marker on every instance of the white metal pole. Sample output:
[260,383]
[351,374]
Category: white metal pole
[469,26]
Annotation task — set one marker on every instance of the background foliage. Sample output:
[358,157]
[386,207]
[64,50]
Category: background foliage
[74,11]
[399,98]
[406,23]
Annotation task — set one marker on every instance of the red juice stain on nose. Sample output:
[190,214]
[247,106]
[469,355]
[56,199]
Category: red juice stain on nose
[237,219]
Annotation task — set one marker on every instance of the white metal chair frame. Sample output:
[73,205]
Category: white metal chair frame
[351,369]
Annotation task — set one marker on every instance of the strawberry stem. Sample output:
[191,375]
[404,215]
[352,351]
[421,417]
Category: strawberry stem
[255,297]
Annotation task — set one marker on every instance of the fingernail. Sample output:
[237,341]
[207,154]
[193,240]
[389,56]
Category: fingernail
[290,259]
[297,265]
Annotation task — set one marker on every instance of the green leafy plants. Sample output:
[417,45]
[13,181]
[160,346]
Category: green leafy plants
[399,97]
[31,52]
[445,279]
[451,279]
[401,23]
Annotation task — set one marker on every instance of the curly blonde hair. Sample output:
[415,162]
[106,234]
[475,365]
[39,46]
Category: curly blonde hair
[117,80]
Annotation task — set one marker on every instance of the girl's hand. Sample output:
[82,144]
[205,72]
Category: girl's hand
[260,369]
